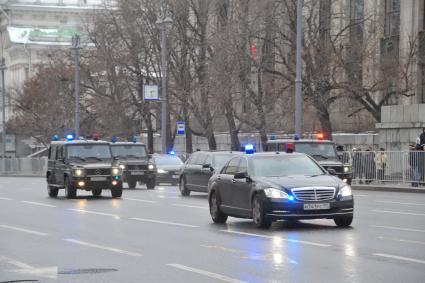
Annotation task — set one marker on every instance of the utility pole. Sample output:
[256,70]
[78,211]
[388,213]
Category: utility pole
[76,47]
[162,22]
[298,79]
[3,92]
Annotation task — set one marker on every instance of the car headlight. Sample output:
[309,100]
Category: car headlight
[345,191]
[346,169]
[161,171]
[275,193]
[122,166]
[116,171]
[79,172]
[151,167]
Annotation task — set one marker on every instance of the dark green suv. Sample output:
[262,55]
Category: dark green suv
[82,165]
[134,160]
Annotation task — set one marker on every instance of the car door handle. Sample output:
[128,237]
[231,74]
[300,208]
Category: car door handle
[233,181]
[218,178]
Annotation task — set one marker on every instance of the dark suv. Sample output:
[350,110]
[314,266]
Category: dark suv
[82,165]
[199,168]
[134,160]
[323,151]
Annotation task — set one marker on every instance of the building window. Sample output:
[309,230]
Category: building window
[356,19]
[392,18]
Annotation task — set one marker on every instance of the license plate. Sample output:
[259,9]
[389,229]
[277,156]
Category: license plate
[316,206]
[175,176]
[137,173]
[96,179]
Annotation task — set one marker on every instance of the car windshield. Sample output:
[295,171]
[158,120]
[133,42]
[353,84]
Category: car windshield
[167,160]
[283,166]
[317,150]
[84,151]
[220,160]
[129,151]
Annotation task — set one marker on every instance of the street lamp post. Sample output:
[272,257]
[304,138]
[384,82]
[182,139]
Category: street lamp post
[76,47]
[3,92]
[163,22]
[298,79]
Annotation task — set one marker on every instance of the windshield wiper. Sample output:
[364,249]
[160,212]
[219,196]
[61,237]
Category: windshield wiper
[320,155]
[315,175]
[94,157]
[77,157]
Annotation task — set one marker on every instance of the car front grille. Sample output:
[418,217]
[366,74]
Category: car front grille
[99,172]
[338,169]
[314,193]
[137,167]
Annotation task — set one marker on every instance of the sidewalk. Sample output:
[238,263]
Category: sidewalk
[389,188]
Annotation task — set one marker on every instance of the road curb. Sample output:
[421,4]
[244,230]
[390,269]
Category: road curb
[394,188]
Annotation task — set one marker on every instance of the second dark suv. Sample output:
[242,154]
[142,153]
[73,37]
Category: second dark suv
[134,160]
[199,168]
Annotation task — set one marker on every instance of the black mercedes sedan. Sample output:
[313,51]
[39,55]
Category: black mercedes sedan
[278,186]
[168,168]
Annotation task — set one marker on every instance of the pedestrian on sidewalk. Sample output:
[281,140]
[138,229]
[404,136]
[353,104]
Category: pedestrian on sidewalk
[422,139]
[369,161]
[416,162]
[357,165]
[381,162]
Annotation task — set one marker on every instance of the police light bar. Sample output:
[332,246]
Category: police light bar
[55,138]
[70,137]
[320,136]
[114,139]
[289,147]
[172,152]
[249,149]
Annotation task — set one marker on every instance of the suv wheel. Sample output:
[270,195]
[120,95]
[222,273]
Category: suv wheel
[70,190]
[216,214]
[132,184]
[52,191]
[97,192]
[258,215]
[184,191]
[116,192]
[150,184]
[343,221]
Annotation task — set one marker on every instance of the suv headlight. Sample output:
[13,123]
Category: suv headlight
[79,172]
[275,193]
[116,171]
[345,191]
[122,166]
[151,166]
[346,169]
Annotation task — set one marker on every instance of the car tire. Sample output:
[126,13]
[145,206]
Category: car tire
[116,192]
[215,212]
[184,191]
[343,221]
[70,190]
[258,215]
[52,191]
[97,192]
[150,184]
[132,184]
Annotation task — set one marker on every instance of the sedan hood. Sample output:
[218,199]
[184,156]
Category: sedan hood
[170,167]
[299,181]
[134,161]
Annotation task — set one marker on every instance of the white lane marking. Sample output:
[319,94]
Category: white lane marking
[400,258]
[399,212]
[23,230]
[140,200]
[164,222]
[38,203]
[190,206]
[396,202]
[48,272]
[111,249]
[95,212]
[206,273]
[274,237]
[399,228]
[356,195]
[401,240]
[3,198]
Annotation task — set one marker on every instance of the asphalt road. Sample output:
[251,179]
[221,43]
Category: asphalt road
[159,236]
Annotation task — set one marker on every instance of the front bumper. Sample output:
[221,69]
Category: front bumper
[169,177]
[89,184]
[138,175]
[286,210]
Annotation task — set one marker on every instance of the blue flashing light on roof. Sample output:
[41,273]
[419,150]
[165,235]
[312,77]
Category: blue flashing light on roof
[172,152]
[291,198]
[249,149]
[55,138]
[114,139]
[296,137]
[70,137]
[133,139]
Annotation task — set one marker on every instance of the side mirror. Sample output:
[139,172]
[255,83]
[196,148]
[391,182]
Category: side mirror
[149,156]
[206,166]
[241,175]
[332,171]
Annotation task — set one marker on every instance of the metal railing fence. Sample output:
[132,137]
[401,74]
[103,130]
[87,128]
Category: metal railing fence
[23,166]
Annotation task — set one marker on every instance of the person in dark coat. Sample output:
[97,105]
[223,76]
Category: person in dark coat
[369,165]
[422,139]
[357,165]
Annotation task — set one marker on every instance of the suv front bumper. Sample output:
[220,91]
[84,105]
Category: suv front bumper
[90,184]
[138,175]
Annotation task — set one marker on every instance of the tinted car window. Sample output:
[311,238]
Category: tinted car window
[243,166]
[273,166]
[52,152]
[167,160]
[221,159]
[59,152]
[232,166]
[324,150]
[200,158]
[129,150]
[208,160]
[88,150]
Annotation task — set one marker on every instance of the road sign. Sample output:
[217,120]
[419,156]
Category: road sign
[181,128]
[150,92]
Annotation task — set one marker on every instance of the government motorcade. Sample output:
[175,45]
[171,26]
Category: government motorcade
[323,151]
[82,165]
[199,168]
[168,168]
[134,160]
[278,186]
